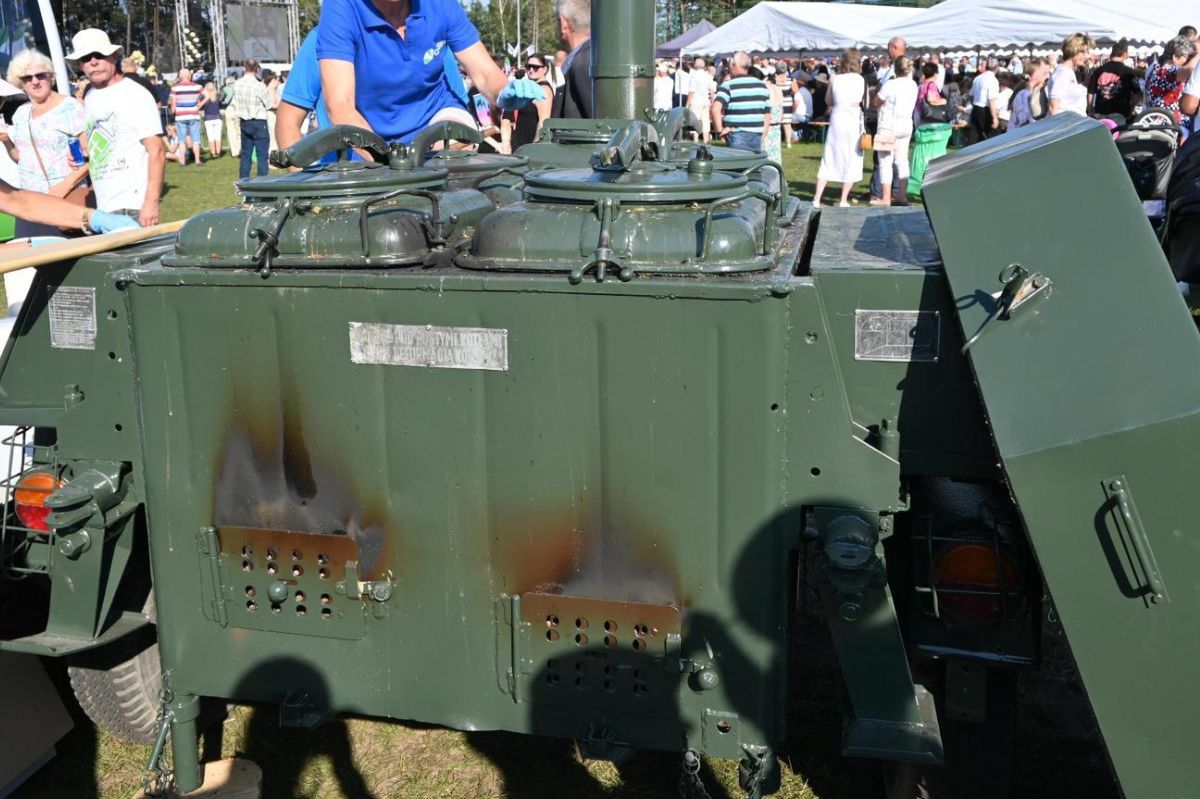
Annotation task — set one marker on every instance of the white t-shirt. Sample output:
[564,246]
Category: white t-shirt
[1192,89]
[899,96]
[984,89]
[1004,102]
[682,79]
[664,88]
[803,103]
[701,87]
[117,118]
[1065,88]
[940,80]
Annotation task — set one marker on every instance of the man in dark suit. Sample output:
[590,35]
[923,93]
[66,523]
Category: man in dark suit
[573,100]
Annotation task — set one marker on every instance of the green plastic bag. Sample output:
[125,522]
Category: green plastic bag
[929,142]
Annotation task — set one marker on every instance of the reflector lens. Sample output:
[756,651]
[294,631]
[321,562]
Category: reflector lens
[970,581]
[29,499]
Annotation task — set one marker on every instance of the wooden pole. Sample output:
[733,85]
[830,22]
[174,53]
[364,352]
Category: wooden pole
[14,256]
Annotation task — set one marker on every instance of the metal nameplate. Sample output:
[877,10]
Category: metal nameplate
[908,336]
[73,317]
[429,346]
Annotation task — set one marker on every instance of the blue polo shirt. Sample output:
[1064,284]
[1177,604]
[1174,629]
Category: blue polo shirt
[399,83]
[303,87]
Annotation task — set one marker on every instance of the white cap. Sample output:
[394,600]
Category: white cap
[91,40]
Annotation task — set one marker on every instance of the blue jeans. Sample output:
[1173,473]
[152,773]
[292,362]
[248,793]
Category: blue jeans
[745,139]
[188,129]
[254,139]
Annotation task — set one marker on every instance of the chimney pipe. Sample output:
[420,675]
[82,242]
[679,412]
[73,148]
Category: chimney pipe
[622,58]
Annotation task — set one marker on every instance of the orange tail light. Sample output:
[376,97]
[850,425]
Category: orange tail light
[29,499]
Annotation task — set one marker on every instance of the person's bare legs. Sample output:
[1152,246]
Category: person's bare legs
[821,184]
[846,188]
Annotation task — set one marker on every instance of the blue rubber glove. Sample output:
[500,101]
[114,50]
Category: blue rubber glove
[518,94]
[104,222]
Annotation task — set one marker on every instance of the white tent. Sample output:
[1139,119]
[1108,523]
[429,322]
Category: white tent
[788,27]
[1028,23]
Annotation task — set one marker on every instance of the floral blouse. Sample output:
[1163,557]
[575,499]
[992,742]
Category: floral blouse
[52,131]
[1163,89]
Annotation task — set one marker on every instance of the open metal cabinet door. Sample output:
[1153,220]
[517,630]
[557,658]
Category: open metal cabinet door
[1088,365]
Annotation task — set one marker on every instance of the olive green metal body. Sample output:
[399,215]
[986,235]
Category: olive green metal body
[537,444]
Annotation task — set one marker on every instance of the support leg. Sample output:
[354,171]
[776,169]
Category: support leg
[185,743]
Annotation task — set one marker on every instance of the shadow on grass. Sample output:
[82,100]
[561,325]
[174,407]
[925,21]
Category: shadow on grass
[535,767]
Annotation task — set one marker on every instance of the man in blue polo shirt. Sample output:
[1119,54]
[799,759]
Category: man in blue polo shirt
[302,94]
[381,64]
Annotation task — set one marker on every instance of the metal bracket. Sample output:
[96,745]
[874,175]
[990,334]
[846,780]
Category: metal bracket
[213,595]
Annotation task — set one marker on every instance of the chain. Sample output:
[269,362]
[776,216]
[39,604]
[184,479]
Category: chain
[690,784]
[158,780]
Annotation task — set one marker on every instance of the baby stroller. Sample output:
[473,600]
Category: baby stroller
[1148,145]
[1181,232]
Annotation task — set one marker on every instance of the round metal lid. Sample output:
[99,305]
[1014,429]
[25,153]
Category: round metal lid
[341,179]
[647,182]
[723,157]
[463,163]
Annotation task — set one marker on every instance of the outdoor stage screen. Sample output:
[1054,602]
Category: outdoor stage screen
[258,32]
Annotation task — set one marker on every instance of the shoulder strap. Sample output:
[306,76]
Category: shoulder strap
[33,142]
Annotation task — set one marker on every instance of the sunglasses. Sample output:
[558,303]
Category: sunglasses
[42,76]
[83,59]
[535,66]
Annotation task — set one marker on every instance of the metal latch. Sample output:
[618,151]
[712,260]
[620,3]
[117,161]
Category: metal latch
[1022,290]
[354,588]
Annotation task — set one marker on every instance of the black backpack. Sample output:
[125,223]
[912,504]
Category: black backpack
[1181,232]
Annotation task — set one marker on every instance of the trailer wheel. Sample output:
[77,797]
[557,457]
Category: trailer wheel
[979,757]
[120,687]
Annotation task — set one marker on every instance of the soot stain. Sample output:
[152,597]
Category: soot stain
[599,559]
[272,482]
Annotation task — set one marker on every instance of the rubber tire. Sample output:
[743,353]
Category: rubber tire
[120,686]
[979,757]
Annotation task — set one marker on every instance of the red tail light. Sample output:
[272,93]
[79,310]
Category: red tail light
[971,580]
[29,499]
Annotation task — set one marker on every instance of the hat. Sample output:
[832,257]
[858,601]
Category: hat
[662,67]
[91,40]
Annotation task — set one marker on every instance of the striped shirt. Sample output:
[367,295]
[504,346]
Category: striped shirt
[187,98]
[250,98]
[745,101]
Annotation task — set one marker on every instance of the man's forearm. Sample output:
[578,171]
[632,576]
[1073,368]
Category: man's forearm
[156,163]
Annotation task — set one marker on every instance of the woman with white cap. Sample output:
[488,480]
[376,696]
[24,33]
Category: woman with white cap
[41,133]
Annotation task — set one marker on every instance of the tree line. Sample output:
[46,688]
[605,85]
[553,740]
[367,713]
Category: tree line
[149,25]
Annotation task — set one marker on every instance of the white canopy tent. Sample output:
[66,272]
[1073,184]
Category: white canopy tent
[1023,24]
[789,27]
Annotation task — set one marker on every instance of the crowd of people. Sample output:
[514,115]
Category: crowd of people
[884,103]
[371,65]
